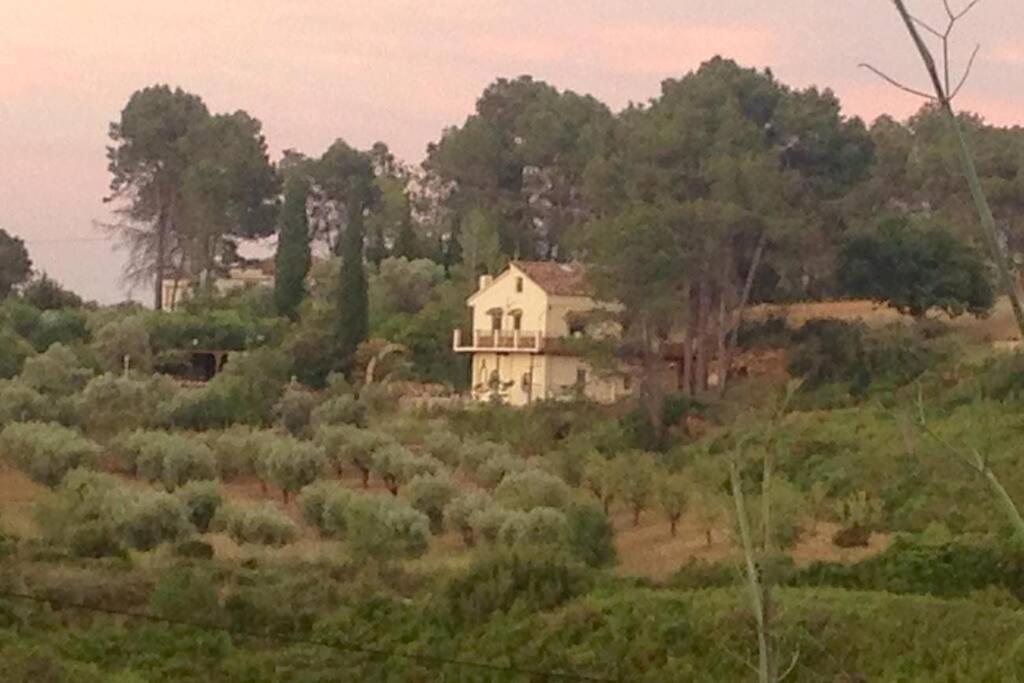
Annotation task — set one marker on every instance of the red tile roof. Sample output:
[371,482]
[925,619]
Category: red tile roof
[559,279]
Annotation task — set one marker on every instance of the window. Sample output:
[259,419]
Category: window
[519,285]
[576,327]
[581,377]
[495,319]
[517,320]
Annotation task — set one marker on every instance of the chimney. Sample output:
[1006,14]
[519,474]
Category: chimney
[485,281]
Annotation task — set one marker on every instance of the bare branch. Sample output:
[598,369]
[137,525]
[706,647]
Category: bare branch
[965,11]
[927,27]
[967,73]
[949,10]
[894,82]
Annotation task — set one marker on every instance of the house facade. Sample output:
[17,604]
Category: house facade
[521,321]
[248,273]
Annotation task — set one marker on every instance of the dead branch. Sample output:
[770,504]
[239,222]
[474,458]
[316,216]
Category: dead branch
[892,81]
[967,73]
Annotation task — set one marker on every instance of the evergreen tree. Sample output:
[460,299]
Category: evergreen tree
[353,317]
[293,257]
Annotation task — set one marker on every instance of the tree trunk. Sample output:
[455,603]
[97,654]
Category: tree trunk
[263,487]
[673,522]
[707,533]
[702,360]
[636,516]
[721,332]
[741,307]
[161,255]
[366,477]
[285,494]
[687,369]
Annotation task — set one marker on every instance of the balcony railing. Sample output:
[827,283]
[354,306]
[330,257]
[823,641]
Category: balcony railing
[498,340]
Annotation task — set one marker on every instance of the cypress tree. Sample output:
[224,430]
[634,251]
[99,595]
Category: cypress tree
[293,258]
[353,306]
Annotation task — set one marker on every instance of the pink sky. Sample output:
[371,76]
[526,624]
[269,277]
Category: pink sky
[400,71]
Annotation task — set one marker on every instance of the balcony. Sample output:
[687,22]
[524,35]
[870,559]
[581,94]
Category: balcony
[498,340]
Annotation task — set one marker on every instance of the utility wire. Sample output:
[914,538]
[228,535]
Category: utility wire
[430,660]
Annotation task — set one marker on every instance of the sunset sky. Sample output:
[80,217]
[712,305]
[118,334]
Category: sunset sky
[400,71]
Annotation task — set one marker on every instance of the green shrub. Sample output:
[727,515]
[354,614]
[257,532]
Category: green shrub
[125,337]
[431,494]
[460,510]
[591,535]
[155,517]
[384,528]
[14,351]
[46,452]
[503,582]
[261,524]
[292,464]
[167,457]
[532,489]
[186,595]
[202,499]
[194,549]
[350,446]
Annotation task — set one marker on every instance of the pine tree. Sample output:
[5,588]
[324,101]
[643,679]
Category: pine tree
[293,257]
[353,306]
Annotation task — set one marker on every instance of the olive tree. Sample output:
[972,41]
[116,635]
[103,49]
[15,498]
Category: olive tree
[673,493]
[634,481]
[431,494]
[202,499]
[261,524]
[396,465]
[383,528]
[494,471]
[292,464]
[532,489]
[323,505]
[46,452]
[350,446]
[599,478]
[541,527]
[460,510]
[155,517]
[444,445]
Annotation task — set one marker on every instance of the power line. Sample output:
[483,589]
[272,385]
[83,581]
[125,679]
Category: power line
[429,660]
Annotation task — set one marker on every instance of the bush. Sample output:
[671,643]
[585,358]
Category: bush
[673,492]
[58,372]
[202,499]
[292,464]
[460,510]
[155,517]
[503,582]
[431,494]
[532,489]
[186,595]
[591,535]
[339,410]
[261,524]
[46,452]
[14,351]
[494,471]
[634,481]
[383,528]
[194,549]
